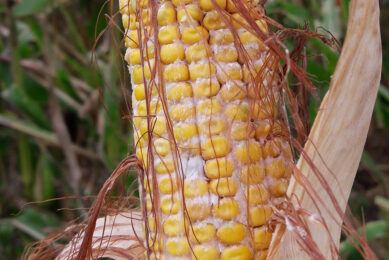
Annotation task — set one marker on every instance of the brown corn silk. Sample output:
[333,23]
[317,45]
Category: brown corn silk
[209,127]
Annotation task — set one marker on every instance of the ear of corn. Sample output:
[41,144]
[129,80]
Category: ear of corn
[208,133]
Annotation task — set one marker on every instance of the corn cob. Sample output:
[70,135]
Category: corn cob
[206,123]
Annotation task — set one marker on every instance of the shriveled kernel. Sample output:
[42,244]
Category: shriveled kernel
[208,5]
[262,130]
[206,252]
[177,246]
[162,146]
[237,112]
[272,148]
[172,52]
[165,166]
[176,72]
[240,252]
[166,14]
[227,55]
[209,107]
[181,112]
[262,238]
[215,147]
[276,168]
[226,209]
[202,232]
[192,35]
[258,216]
[174,226]
[231,233]
[232,92]
[195,188]
[167,186]
[213,126]
[230,73]
[194,12]
[279,187]
[219,168]
[197,52]
[185,132]
[257,194]
[180,91]
[206,88]
[148,185]
[170,205]
[242,131]
[202,70]
[252,174]
[168,34]
[222,37]
[224,187]
[250,154]
[213,21]
[261,255]
[198,211]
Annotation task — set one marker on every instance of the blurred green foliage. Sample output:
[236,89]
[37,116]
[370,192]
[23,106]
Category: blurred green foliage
[48,60]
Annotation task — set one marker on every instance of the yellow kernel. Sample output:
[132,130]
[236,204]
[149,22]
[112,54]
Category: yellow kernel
[252,174]
[237,112]
[262,130]
[192,35]
[263,110]
[224,187]
[176,72]
[131,39]
[140,94]
[198,211]
[180,91]
[208,5]
[168,34]
[165,166]
[238,21]
[178,2]
[126,21]
[262,25]
[172,52]
[256,194]
[167,186]
[248,38]
[213,126]
[231,233]
[195,13]
[272,148]
[177,246]
[276,168]
[240,132]
[155,243]
[158,126]
[260,255]
[206,88]
[230,73]
[151,223]
[226,209]
[262,238]
[142,155]
[231,6]
[221,38]
[124,5]
[279,187]
[232,92]
[213,21]
[209,107]
[197,52]
[219,168]
[173,226]
[137,75]
[202,233]
[162,146]
[170,205]
[227,55]
[258,216]
[185,132]
[149,205]
[195,188]
[181,112]
[202,70]
[206,252]
[166,14]
[250,154]
[215,147]
[148,185]
[154,108]
[236,253]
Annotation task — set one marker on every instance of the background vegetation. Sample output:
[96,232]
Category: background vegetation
[61,125]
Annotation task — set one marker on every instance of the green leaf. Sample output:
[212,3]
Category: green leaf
[18,98]
[28,7]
